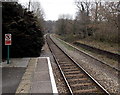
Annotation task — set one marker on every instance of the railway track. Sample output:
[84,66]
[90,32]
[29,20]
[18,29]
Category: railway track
[76,78]
[115,68]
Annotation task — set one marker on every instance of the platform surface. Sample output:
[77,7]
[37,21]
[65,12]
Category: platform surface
[11,78]
[38,78]
[16,62]
[12,74]
[41,80]
[28,75]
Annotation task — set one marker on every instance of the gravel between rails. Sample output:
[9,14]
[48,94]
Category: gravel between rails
[61,86]
[107,78]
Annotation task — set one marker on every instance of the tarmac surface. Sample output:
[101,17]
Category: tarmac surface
[11,77]
[12,74]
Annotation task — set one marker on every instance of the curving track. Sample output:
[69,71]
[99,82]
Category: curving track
[113,68]
[76,78]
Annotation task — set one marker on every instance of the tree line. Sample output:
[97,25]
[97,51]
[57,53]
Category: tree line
[97,20]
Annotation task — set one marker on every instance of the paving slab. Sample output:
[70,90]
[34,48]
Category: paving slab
[41,87]
[40,76]
[42,65]
[43,79]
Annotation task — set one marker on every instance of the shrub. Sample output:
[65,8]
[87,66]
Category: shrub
[27,37]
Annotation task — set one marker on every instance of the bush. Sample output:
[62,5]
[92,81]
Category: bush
[27,37]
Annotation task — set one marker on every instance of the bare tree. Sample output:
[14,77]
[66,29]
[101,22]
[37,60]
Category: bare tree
[105,15]
[38,12]
[37,9]
[83,17]
[64,25]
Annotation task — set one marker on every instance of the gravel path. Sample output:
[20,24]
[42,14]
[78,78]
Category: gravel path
[106,77]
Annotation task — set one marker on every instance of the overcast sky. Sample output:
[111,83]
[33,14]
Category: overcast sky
[54,8]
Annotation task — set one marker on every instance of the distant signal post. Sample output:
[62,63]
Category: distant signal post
[8,42]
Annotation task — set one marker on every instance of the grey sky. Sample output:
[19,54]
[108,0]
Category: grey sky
[54,8]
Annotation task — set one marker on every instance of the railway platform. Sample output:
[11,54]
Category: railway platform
[43,80]
[37,79]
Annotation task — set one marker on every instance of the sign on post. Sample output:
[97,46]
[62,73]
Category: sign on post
[8,42]
[7,39]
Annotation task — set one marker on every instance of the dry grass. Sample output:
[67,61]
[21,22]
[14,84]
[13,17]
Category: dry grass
[102,57]
[93,43]
[111,47]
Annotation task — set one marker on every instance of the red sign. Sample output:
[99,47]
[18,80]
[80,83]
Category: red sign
[8,39]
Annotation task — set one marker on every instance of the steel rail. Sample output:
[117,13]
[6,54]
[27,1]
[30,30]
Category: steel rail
[70,90]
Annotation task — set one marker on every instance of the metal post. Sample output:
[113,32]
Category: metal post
[8,55]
